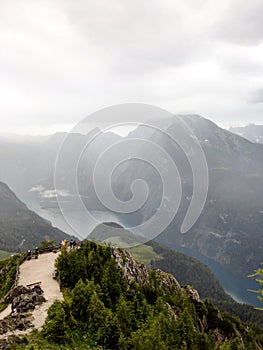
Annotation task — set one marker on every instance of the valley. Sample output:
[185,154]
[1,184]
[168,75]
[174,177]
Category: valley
[227,236]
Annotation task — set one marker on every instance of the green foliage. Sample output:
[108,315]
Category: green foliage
[225,345]
[190,271]
[259,272]
[8,268]
[101,310]
[4,254]
[145,253]
[47,244]
[57,326]
[37,341]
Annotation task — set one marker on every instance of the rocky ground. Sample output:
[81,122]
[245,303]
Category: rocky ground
[27,306]
[23,301]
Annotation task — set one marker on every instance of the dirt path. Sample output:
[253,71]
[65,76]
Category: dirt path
[42,270]
[5,312]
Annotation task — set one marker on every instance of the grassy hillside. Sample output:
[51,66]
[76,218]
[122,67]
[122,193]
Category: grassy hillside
[8,268]
[4,254]
[145,253]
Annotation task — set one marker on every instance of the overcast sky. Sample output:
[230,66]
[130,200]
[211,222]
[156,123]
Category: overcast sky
[61,60]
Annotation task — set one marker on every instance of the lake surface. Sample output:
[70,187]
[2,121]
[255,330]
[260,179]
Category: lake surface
[78,225]
[237,287]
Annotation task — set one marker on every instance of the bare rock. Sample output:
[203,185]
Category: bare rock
[132,270]
[23,299]
[168,281]
[193,293]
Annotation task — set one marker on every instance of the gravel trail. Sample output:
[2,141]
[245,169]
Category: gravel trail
[39,270]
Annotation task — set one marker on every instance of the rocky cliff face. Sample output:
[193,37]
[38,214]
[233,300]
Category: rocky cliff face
[132,270]
[135,271]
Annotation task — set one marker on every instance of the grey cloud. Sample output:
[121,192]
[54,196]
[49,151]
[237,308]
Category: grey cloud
[63,59]
[257,96]
[142,38]
[241,22]
[239,61]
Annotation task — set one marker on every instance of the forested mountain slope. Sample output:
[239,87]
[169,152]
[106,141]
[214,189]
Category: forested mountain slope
[188,270]
[191,271]
[113,302]
[21,228]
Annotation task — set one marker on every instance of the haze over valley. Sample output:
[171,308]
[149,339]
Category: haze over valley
[229,229]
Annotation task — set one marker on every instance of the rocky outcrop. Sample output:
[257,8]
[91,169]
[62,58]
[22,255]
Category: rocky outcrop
[24,299]
[11,342]
[132,270]
[135,271]
[168,281]
[12,323]
[193,293]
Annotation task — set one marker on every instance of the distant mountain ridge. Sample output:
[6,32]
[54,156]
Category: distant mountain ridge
[229,229]
[252,132]
[21,228]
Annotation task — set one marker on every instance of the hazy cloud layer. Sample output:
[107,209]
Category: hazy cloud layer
[257,96]
[242,22]
[61,60]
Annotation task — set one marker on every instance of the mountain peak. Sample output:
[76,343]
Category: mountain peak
[252,132]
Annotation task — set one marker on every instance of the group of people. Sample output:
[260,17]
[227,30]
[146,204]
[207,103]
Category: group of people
[32,254]
[72,244]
